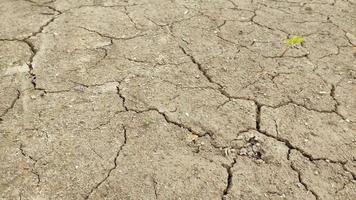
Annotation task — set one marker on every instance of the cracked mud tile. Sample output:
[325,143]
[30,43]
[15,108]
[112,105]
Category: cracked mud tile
[58,73]
[13,73]
[262,170]
[334,68]
[292,19]
[141,56]
[341,13]
[306,17]
[199,37]
[326,41]
[81,43]
[156,149]
[71,137]
[318,135]
[233,12]
[190,101]
[20,19]
[114,23]
[327,180]
[158,48]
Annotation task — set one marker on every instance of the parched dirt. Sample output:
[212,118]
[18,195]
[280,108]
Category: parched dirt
[179,99]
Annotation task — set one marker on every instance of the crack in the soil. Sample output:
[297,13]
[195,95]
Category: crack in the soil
[33,162]
[220,88]
[44,5]
[111,169]
[337,104]
[154,181]
[300,180]
[169,121]
[252,20]
[103,35]
[127,13]
[123,98]
[332,94]
[30,62]
[203,71]
[347,170]
[229,179]
[11,105]
[42,27]
[34,34]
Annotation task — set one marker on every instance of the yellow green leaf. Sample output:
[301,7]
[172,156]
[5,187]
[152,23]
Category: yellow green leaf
[294,40]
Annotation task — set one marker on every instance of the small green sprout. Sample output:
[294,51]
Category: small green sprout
[294,40]
[147,121]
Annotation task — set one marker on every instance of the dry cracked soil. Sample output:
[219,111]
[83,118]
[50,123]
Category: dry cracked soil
[177,99]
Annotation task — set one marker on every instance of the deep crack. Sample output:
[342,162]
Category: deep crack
[204,72]
[154,181]
[122,98]
[30,62]
[229,180]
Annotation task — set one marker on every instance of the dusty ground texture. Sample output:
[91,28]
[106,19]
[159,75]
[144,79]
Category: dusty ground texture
[179,99]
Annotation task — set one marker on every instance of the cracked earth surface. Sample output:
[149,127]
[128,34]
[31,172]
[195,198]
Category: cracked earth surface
[179,99]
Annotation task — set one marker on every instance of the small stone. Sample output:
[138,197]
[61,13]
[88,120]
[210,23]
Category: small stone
[243,152]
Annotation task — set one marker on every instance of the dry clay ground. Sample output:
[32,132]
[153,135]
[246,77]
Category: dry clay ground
[179,99]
